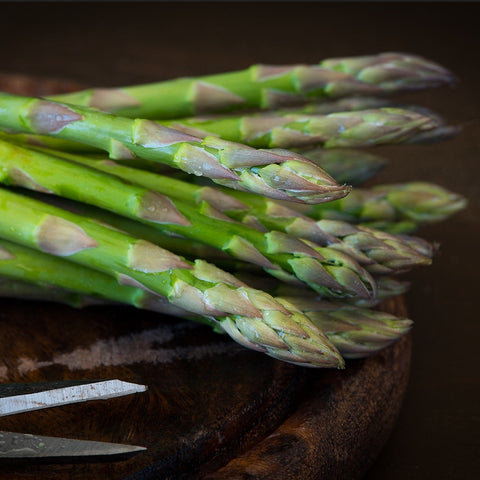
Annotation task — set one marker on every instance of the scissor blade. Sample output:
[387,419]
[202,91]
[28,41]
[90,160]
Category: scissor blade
[25,388]
[13,403]
[32,449]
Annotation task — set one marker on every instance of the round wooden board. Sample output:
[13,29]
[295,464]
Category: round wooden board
[213,409]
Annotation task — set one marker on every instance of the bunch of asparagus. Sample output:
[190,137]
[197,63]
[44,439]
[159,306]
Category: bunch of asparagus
[108,196]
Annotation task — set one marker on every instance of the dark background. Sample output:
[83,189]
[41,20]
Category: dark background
[121,43]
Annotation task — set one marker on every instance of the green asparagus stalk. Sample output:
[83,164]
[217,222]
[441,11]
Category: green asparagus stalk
[377,251]
[386,122]
[346,166]
[279,174]
[356,332]
[251,317]
[267,86]
[359,128]
[185,247]
[402,206]
[20,263]
[327,271]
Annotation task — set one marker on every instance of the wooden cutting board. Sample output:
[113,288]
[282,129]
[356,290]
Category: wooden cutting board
[214,410]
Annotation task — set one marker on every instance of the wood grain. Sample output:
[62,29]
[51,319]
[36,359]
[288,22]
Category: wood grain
[213,409]
[210,402]
[205,392]
[337,431]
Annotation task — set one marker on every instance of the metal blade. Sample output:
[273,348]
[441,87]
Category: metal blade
[24,388]
[17,398]
[32,449]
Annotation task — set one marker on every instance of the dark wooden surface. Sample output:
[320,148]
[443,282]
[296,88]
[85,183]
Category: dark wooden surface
[436,436]
[213,408]
[205,392]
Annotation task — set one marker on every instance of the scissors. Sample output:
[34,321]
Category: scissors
[22,448]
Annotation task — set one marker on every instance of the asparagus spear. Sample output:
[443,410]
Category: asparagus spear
[377,251]
[278,174]
[251,317]
[441,132]
[326,270]
[185,247]
[52,273]
[356,332]
[359,128]
[405,206]
[387,287]
[380,253]
[267,86]
[346,166]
